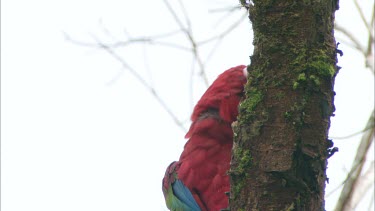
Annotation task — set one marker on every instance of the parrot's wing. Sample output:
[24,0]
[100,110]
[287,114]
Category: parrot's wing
[177,196]
[184,195]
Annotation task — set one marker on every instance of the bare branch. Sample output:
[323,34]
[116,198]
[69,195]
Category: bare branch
[147,66]
[142,40]
[125,65]
[192,41]
[371,202]
[156,40]
[367,174]
[366,51]
[187,20]
[191,78]
[105,30]
[360,11]
[225,9]
[370,45]
[175,17]
[224,33]
[365,182]
[351,183]
[230,11]
[354,134]
[356,44]
[147,40]
[349,175]
[213,50]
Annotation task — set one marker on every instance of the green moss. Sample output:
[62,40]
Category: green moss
[302,77]
[247,106]
[258,74]
[311,67]
[300,55]
[290,207]
[322,68]
[295,85]
[287,115]
[279,95]
[320,64]
[244,160]
[250,114]
[251,102]
[237,187]
[296,113]
[295,205]
[315,80]
[275,47]
[298,200]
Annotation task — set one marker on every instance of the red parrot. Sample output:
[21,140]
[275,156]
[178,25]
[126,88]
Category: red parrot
[199,180]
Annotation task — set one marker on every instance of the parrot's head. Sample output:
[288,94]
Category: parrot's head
[224,95]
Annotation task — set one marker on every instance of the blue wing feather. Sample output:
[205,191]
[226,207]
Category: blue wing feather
[184,195]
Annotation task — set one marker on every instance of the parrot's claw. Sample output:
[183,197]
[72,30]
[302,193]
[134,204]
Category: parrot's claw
[226,209]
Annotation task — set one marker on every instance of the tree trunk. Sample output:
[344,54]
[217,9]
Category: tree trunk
[280,147]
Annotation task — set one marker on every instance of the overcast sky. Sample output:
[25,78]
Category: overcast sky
[79,132]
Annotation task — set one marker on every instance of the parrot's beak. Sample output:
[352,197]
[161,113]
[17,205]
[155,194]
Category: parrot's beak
[245,71]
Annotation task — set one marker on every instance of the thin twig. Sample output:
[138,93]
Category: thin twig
[343,182]
[371,202]
[370,44]
[146,65]
[106,30]
[367,52]
[365,182]
[143,40]
[192,41]
[165,35]
[213,50]
[155,40]
[348,176]
[187,19]
[191,78]
[147,40]
[357,44]
[224,9]
[224,33]
[360,158]
[151,89]
[127,34]
[354,134]
[175,17]
[360,11]
[223,17]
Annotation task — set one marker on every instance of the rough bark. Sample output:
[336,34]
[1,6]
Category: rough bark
[280,147]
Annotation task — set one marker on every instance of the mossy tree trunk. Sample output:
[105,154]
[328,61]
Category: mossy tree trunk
[281,148]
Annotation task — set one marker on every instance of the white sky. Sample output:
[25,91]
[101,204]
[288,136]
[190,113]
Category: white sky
[71,141]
